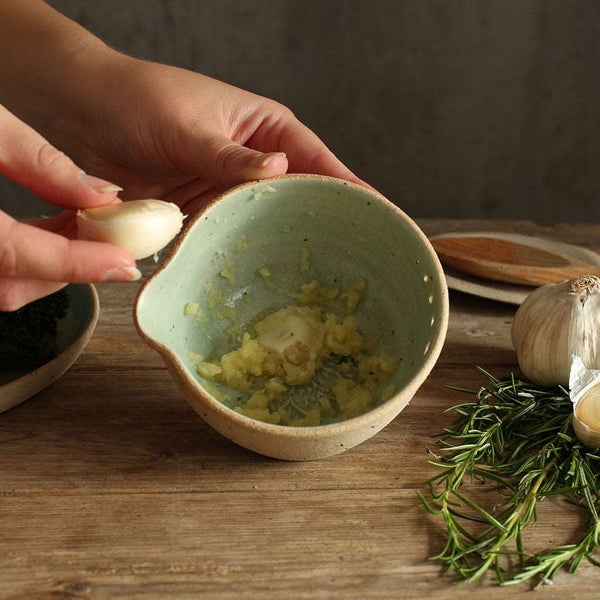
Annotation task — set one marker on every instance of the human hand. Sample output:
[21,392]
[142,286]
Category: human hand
[157,131]
[39,258]
[164,132]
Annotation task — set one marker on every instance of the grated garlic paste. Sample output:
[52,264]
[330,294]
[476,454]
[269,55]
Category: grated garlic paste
[304,366]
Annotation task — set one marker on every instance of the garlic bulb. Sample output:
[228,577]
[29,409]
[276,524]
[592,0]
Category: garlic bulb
[555,322]
[142,227]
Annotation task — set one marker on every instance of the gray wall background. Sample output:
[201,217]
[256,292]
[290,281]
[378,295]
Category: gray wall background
[487,108]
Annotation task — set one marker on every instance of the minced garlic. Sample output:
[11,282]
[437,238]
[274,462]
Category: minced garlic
[291,347]
[228,274]
[316,294]
[266,275]
[304,260]
[354,295]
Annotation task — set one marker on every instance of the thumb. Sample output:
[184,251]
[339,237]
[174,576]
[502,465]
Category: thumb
[28,159]
[226,163]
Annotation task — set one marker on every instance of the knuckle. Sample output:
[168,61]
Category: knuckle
[225,157]
[284,113]
[279,113]
[48,157]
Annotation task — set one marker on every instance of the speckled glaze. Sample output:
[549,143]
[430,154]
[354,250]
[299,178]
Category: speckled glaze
[349,232]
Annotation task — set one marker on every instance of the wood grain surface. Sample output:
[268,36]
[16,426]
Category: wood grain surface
[112,487]
[509,260]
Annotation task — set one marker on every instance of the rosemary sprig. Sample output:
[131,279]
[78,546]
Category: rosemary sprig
[517,437]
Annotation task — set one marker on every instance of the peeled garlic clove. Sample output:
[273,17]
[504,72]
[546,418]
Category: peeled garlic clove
[142,227]
[586,418]
[555,322]
[584,392]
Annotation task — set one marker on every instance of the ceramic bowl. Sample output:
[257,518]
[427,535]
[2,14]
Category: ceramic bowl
[348,232]
[73,334]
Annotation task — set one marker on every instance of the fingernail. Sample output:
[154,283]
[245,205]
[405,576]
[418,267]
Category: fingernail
[264,161]
[99,185]
[122,274]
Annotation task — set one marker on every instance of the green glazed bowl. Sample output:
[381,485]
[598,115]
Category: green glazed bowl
[300,228]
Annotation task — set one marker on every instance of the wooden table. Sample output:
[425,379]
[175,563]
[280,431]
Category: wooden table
[112,487]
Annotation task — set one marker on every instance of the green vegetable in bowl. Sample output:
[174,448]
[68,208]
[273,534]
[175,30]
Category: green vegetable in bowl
[28,335]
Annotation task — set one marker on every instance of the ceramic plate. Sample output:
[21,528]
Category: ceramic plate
[509,292]
[73,332]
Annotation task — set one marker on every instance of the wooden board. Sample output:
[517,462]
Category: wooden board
[112,487]
[465,280]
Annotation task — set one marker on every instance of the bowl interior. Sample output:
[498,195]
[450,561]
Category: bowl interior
[299,230]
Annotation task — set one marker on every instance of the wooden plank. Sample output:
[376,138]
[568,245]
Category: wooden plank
[310,544]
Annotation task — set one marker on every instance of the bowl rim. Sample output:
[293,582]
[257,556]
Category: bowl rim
[173,361]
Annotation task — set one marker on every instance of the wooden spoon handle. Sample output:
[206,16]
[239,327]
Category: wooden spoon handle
[507,261]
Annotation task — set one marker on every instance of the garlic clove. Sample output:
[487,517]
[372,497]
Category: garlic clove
[586,418]
[142,227]
[555,322]
[584,391]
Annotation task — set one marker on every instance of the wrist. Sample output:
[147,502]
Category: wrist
[75,102]
[47,66]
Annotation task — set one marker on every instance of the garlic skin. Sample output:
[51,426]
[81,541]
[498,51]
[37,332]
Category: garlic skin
[142,227]
[555,322]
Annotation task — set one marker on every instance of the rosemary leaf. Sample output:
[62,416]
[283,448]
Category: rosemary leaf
[517,440]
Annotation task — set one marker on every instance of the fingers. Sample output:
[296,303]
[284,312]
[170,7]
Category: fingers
[187,192]
[305,151]
[38,260]
[27,252]
[194,204]
[27,158]
[16,293]
[230,163]
[308,153]
[297,149]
